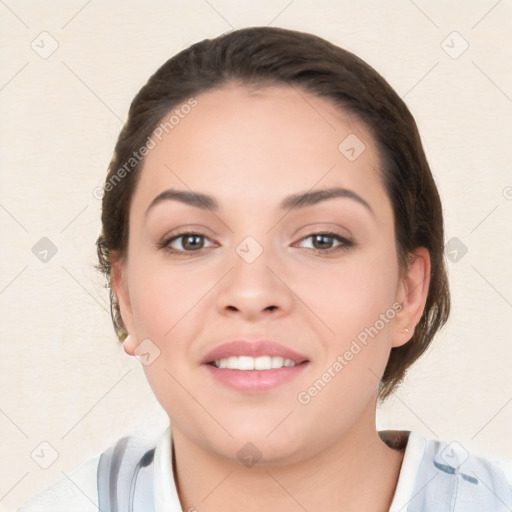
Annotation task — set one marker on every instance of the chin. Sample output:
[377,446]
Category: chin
[278,452]
[271,443]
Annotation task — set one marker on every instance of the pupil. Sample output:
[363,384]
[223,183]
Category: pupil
[191,242]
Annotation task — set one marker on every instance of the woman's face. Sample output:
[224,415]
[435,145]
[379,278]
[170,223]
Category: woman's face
[263,279]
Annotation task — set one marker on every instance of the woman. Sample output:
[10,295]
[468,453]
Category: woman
[273,240]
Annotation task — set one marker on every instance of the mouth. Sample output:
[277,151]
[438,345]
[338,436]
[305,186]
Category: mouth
[254,367]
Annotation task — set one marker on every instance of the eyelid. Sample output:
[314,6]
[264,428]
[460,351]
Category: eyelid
[197,229]
[318,228]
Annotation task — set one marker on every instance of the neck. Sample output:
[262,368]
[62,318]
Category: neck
[358,472]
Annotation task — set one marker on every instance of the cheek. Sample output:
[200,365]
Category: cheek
[355,301]
[351,295]
[161,295]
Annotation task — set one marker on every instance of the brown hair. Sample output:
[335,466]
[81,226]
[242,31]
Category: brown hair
[276,56]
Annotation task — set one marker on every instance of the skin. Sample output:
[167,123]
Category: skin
[250,149]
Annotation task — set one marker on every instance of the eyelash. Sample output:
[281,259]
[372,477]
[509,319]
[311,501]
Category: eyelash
[345,243]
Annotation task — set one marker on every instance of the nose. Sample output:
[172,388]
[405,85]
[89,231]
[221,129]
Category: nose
[254,290]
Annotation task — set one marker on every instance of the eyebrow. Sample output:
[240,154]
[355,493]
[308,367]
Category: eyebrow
[303,200]
[292,202]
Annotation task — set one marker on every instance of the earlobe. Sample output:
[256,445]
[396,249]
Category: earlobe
[129,345]
[412,294]
[121,292]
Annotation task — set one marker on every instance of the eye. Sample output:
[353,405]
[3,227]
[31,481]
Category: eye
[326,242]
[188,241]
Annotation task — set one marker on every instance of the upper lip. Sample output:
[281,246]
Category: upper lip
[258,348]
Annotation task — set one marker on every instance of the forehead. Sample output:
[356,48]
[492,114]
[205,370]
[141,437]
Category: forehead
[243,144]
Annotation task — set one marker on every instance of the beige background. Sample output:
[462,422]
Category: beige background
[64,379]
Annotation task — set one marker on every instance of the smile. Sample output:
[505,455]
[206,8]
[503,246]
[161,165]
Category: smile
[245,363]
[253,366]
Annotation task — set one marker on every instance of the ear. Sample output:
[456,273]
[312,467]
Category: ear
[412,294]
[120,290]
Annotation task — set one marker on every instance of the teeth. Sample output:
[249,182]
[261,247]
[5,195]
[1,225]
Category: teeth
[263,363]
[245,363]
[254,363]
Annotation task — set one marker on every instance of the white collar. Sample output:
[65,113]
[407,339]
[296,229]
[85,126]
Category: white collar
[413,454]
[166,495]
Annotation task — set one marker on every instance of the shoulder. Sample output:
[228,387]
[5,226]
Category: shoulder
[437,475]
[76,490]
[109,476]
[83,488]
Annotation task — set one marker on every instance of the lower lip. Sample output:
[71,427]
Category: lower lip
[255,381]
